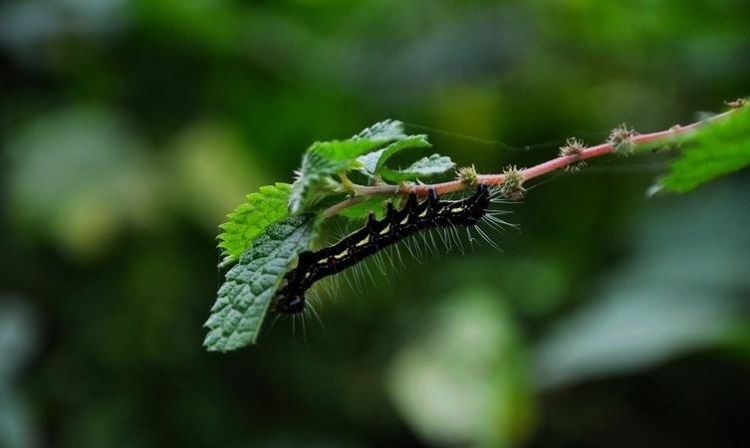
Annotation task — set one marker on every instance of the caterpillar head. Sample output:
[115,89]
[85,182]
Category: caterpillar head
[290,303]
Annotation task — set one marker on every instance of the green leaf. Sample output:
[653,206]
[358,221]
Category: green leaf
[56,158]
[250,219]
[244,298]
[385,131]
[455,396]
[343,152]
[321,161]
[424,167]
[716,149]
[363,209]
[373,162]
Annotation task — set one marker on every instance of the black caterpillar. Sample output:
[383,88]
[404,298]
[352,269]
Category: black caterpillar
[414,217]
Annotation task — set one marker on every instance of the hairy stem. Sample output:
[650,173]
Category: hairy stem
[363,191]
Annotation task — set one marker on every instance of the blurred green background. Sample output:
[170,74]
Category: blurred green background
[130,128]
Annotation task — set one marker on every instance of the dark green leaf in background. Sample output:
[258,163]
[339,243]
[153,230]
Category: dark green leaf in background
[462,377]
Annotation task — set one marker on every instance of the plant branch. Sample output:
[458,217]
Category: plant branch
[363,191]
[343,205]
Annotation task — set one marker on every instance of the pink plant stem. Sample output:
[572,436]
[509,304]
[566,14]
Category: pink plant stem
[549,166]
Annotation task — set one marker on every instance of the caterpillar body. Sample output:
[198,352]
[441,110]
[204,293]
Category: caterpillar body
[376,235]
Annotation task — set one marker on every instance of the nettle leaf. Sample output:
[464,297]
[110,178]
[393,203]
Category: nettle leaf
[249,220]
[386,131]
[374,162]
[375,205]
[322,160]
[243,300]
[716,149]
[370,160]
[424,167]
